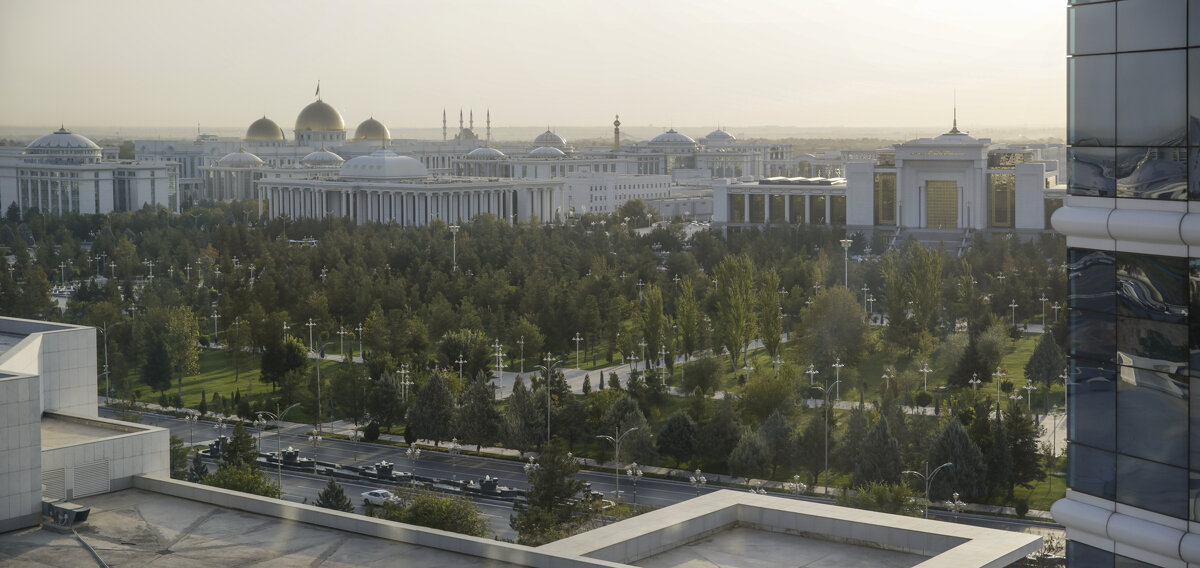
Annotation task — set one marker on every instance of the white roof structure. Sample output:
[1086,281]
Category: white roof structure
[240,159]
[672,137]
[546,152]
[549,138]
[322,158]
[487,153]
[62,139]
[383,165]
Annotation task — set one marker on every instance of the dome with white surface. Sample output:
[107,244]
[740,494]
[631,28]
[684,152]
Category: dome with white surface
[62,147]
[322,159]
[240,159]
[383,165]
[486,154]
[546,152]
[549,138]
[671,137]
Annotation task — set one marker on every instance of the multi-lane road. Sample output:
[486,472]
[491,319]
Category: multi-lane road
[465,465]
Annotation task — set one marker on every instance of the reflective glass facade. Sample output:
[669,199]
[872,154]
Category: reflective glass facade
[1134,134]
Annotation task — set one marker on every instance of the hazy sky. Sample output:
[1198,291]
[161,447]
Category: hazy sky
[697,62]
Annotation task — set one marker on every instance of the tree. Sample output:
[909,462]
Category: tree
[334,497]
[735,305]
[520,426]
[156,368]
[652,321]
[477,419]
[553,509]
[182,339]
[967,475]
[1046,363]
[471,346]
[720,434]
[432,411]
[687,315]
[623,415]
[767,392]
[879,460]
[702,374]
[281,358]
[245,478]
[999,460]
[349,391]
[448,513]
[836,327]
[198,472]
[776,435]
[179,460]
[1023,433]
[384,403]
[242,448]
[677,439]
[750,457]
[770,313]
[810,445]
[850,443]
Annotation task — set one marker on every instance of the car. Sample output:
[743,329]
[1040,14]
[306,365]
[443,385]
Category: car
[378,497]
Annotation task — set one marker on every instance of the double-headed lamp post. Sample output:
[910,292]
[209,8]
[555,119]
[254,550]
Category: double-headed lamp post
[846,249]
[955,505]
[454,244]
[825,391]
[616,442]
[277,418]
[928,478]
[413,455]
[635,473]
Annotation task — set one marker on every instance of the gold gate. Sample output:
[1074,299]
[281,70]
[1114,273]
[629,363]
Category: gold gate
[941,204]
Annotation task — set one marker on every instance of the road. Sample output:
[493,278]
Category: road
[648,491]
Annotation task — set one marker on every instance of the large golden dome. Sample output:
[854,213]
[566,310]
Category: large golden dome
[264,129]
[321,117]
[372,129]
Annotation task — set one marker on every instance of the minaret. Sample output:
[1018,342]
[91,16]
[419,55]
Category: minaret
[472,120]
[460,120]
[954,128]
[443,125]
[617,133]
[489,126]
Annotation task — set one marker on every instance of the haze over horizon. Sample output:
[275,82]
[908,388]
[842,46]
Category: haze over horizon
[814,65]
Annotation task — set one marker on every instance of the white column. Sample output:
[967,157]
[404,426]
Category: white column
[746,207]
[767,209]
[807,209]
[828,208]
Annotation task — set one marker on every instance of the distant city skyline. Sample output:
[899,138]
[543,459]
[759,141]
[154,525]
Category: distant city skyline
[817,64]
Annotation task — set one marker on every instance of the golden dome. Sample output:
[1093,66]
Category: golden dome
[264,129]
[320,116]
[372,129]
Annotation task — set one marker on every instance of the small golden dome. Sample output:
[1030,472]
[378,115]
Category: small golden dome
[264,129]
[372,129]
[319,116]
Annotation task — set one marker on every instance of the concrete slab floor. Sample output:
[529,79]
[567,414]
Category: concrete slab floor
[750,548]
[140,528]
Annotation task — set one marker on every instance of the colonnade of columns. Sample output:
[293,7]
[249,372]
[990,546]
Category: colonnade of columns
[416,207]
[787,207]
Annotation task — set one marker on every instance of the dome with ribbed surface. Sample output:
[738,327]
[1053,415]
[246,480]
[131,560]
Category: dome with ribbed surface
[240,159]
[546,152]
[371,129]
[320,116]
[672,137]
[62,139]
[264,129]
[549,138]
[383,165]
[322,158]
[485,153]
[719,134]
[62,147]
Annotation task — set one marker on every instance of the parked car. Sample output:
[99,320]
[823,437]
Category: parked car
[378,497]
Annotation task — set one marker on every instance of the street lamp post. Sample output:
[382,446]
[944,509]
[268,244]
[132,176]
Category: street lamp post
[316,443]
[837,366]
[999,378]
[577,339]
[925,370]
[191,421]
[928,478]
[413,455]
[550,365]
[826,407]
[520,342]
[460,362]
[1043,299]
[1056,306]
[796,486]
[634,473]
[1029,388]
[1013,305]
[455,448]
[697,480]
[404,382]
[277,418]
[846,250]
[974,381]
[955,505]
[107,374]
[454,244]
[616,442]
[811,372]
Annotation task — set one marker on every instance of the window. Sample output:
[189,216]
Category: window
[1152,110]
[1092,418]
[1092,29]
[1152,173]
[1150,24]
[1152,416]
[1093,336]
[1154,287]
[1152,486]
[1091,471]
[1091,86]
[885,199]
[1001,199]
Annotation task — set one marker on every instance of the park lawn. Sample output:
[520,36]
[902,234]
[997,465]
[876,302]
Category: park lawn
[1044,493]
[217,375]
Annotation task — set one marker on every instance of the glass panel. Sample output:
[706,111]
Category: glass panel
[1091,278]
[837,209]
[1153,345]
[1151,24]
[1150,286]
[1092,29]
[1127,562]
[1092,100]
[1152,486]
[1001,202]
[941,204]
[756,208]
[1151,98]
[1093,336]
[1194,439]
[797,208]
[1193,22]
[1092,405]
[818,210]
[1080,555]
[885,199]
[1194,496]
[777,209]
[1152,416]
[737,208]
[1194,86]
[1152,173]
[1194,325]
[1093,172]
[1091,471]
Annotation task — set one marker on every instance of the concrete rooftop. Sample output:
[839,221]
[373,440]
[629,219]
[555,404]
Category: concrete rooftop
[751,548]
[57,432]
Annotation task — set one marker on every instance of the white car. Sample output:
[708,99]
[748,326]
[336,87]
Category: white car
[378,497]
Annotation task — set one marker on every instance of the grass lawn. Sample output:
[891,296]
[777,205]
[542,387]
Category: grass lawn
[217,375]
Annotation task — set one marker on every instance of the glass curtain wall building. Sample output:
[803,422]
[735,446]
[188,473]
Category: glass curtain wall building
[1133,407]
